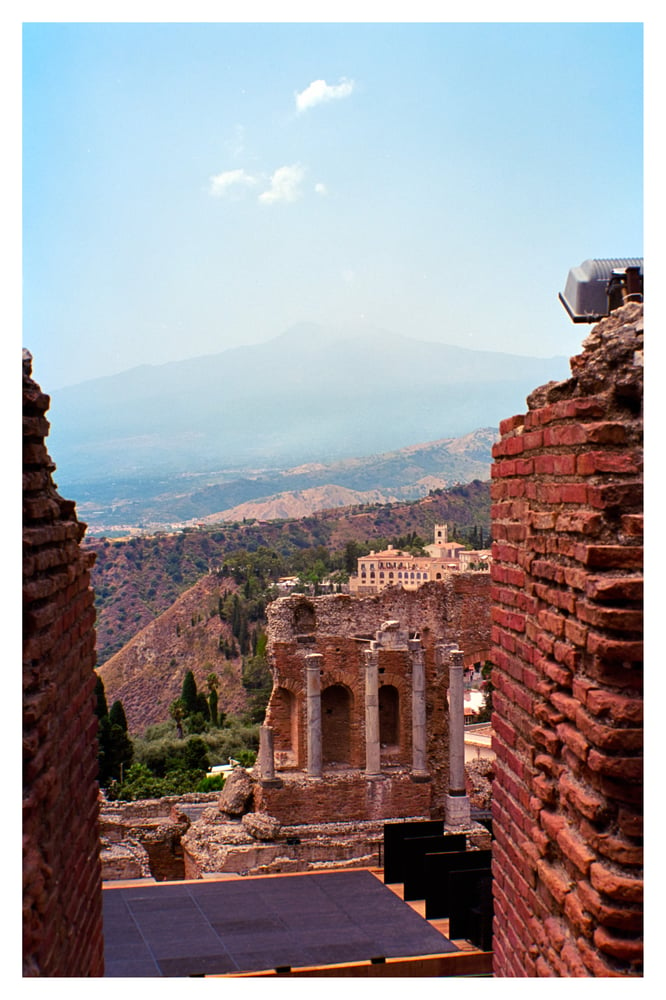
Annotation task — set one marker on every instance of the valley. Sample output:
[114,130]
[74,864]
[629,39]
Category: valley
[190,499]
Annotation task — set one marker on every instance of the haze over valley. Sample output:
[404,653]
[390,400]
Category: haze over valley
[356,416]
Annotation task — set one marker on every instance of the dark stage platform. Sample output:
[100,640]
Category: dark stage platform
[253,924]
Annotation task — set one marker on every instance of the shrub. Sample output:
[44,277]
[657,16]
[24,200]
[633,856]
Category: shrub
[211,783]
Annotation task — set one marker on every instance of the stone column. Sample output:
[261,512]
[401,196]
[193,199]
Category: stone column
[312,672]
[419,770]
[267,757]
[457,808]
[372,750]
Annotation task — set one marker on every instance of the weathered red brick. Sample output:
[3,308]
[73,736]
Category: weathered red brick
[628,770]
[624,918]
[614,649]
[566,704]
[606,432]
[575,849]
[608,738]
[630,822]
[565,434]
[632,524]
[616,849]
[613,619]
[581,522]
[627,496]
[546,738]
[610,556]
[574,740]
[510,424]
[555,465]
[553,623]
[584,799]
[562,493]
[571,957]
[629,949]
[598,965]
[575,632]
[620,888]
[555,879]
[614,588]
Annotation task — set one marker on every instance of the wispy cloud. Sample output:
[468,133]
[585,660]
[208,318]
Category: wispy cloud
[284,185]
[319,91]
[321,189]
[230,182]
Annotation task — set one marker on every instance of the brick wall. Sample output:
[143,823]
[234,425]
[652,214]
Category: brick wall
[62,898]
[567,653]
[343,797]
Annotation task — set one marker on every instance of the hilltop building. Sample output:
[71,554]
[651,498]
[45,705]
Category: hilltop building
[395,567]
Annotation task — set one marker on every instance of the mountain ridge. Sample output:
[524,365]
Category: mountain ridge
[400,474]
[285,402]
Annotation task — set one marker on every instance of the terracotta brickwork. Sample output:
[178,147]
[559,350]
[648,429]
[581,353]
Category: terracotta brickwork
[62,897]
[344,797]
[567,653]
[340,628]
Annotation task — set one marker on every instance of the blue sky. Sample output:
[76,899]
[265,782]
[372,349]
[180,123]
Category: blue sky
[190,187]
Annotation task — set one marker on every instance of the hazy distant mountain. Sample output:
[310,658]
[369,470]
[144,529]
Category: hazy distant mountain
[404,474]
[311,394]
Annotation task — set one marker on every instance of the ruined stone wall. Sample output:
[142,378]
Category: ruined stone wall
[62,898]
[567,654]
[340,628]
[344,797]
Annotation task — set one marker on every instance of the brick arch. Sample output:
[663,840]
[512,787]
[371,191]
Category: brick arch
[337,704]
[472,656]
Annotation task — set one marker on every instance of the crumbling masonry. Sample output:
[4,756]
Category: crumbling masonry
[62,892]
[357,724]
[567,652]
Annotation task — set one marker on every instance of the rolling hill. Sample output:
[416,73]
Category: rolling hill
[404,474]
[137,579]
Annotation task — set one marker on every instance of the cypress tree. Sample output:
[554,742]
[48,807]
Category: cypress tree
[117,716]
[101,708]
[188,694]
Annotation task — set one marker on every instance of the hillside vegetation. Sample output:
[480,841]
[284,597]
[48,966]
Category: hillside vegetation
[137,579]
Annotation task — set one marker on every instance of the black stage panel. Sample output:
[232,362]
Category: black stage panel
[437,870]
[249,925]
[395,834]
[414,851]
[471,906]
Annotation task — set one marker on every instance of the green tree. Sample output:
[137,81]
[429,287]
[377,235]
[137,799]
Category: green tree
[177,713]
[197,722]
[189,694]
[117,716]
[258,682]
[195,757]
[213,684]
[487,688]
[115,749]
[101,708]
